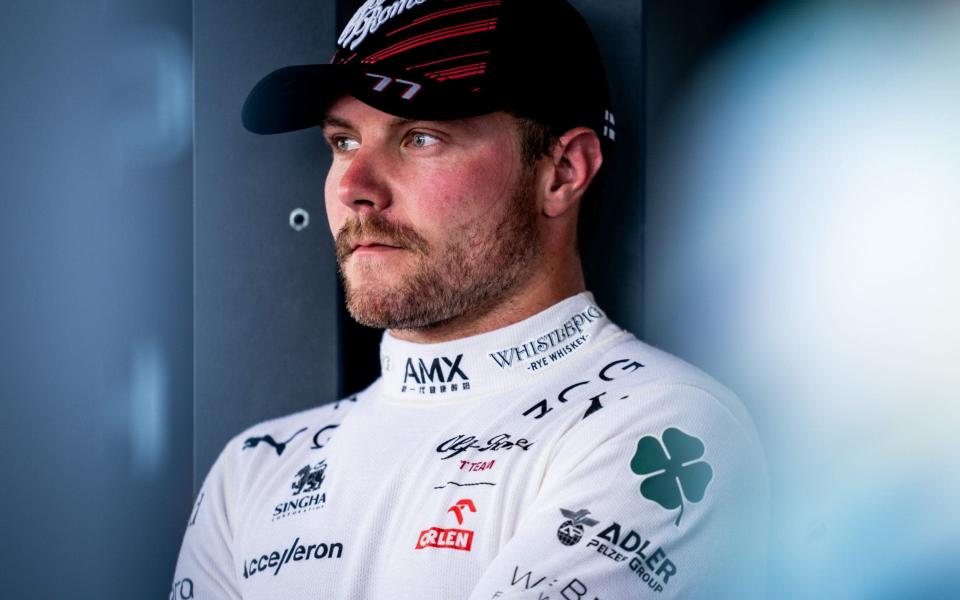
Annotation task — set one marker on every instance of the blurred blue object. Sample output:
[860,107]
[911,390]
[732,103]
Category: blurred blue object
[96,312]
[802,222]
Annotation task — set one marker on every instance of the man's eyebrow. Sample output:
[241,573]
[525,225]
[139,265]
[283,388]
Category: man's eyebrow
[395,123]
[331,121]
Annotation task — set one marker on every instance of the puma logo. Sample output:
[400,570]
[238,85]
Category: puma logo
[253,442]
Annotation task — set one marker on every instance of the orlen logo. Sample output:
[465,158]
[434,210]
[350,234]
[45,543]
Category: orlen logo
[450,539]
[443,371]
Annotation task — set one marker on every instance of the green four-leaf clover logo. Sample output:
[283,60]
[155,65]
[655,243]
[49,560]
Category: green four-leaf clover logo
[676,473]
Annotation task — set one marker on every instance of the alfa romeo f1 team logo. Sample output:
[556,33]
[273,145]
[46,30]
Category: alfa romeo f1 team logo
[674,468]
[571,530]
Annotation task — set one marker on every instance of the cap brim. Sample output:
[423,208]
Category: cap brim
[293,98]
[298,97]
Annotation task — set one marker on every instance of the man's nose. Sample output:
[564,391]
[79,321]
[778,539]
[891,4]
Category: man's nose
[362,186]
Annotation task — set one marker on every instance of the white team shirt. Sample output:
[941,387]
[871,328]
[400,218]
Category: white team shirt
[559,458]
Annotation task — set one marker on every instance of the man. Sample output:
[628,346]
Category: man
[518,444]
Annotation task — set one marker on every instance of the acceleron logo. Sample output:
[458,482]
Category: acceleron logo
[275,560]
[450,538]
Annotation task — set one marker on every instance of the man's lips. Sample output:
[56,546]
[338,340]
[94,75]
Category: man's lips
[366,247]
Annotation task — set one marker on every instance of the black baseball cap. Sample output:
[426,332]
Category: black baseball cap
[449,59]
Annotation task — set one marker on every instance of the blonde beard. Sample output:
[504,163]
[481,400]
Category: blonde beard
[478,266]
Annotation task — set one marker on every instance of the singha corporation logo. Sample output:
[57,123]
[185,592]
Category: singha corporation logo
[306,492]
[309,479]
[571,530]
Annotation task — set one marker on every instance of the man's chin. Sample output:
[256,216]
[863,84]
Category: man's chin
[374,309]
[369,279]
[376,267]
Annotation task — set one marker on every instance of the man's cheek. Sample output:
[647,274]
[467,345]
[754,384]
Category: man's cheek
[334,208]
[336,215]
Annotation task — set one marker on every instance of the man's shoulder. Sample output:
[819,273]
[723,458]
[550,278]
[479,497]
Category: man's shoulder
[658,366]
[634,366]
[633,388]
[646,404]
[278,433]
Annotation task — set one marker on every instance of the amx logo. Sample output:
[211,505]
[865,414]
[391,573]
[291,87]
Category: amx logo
[421,375]
[450,539]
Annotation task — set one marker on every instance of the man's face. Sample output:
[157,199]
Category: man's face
[433,219]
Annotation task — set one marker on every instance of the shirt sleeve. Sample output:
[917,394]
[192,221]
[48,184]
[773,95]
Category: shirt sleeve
[660,495]
[205,566]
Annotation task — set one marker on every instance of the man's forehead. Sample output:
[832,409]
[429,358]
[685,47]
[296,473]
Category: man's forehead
[350,113]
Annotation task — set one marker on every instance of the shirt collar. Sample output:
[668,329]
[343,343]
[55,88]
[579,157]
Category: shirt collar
[494,361]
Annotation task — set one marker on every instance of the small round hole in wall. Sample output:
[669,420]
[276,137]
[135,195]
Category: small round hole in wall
[299,219]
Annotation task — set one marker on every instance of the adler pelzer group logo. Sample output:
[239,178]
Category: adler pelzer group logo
[571,530]
[617,542]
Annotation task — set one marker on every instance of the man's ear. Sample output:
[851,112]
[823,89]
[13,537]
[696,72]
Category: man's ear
[573,163]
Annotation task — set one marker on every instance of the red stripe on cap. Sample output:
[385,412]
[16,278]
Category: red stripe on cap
[459,72]
[429,38]
[444,13]
[454,70]
[443,60]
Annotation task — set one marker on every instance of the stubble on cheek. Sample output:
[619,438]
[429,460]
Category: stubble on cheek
[371,298]
[473,267]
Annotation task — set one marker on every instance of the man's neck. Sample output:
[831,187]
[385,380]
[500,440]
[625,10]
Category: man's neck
[540,292]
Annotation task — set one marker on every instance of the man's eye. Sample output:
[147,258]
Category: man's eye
[345,144]
[422,140]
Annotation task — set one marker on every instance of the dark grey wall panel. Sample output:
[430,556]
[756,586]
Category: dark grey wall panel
[95,297]
[266,304]
[612,231]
